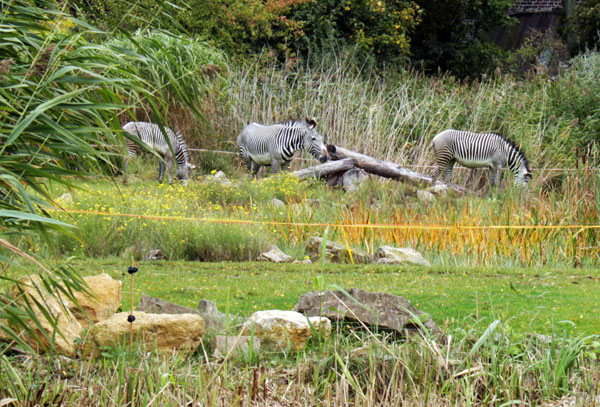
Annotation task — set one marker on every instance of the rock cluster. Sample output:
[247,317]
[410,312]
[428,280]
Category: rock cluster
[159,325]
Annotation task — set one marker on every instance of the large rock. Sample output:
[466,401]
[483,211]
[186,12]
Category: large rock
[352,179]
[67,329]
[285,328]
[102,301]
[223,345]
[386,311]
[396,255]
[275,255]
[425,196]
[335,252]
[213,319]
[163,332]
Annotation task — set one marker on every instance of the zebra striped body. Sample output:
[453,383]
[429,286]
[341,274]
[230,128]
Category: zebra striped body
[276,144]
[475,150]
[153,136]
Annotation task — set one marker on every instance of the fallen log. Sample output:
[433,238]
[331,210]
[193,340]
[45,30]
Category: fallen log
[327,169]
[385,168]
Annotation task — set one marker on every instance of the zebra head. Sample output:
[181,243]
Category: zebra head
[523,175]
[313,141]
[183,172]
[522,172]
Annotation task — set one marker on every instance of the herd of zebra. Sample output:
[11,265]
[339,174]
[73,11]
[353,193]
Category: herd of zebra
[274,145]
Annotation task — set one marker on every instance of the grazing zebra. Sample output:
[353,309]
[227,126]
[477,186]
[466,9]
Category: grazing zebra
[479,150]
[276,144]
[153,136]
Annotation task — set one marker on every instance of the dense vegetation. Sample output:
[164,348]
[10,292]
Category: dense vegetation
[381,77]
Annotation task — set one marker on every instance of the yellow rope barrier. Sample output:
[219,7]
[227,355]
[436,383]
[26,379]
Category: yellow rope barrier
[306,224]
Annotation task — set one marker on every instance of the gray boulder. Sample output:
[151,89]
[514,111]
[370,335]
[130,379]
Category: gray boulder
[154,254]
[277,203]
[152,305]
[399,255]
[352,179]
[215,319]
[275,255]
[425,196]
[223,345]
[335,252]
[385,311]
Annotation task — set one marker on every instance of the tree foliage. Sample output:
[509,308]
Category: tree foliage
[380,29]
[454,35]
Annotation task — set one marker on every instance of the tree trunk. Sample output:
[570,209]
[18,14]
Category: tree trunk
[384,168]
[327,169]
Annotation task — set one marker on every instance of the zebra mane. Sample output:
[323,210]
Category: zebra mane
[293,122]
[516,147]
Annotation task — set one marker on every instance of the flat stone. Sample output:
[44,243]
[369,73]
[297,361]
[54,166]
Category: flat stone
[161,332]
[373,309]
[213,320]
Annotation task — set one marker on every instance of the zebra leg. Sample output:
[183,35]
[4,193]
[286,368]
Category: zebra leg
[443,159]
[495,176]
[125,168]
[161,170]
[274,166]
[285,165]
[448,171]
[253,168]
[169,163]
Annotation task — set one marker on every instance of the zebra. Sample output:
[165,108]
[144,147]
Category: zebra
[154,137]
[475,150]
[275,144]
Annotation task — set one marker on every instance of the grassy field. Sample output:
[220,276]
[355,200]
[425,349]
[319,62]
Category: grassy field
[543,300]
[491,314]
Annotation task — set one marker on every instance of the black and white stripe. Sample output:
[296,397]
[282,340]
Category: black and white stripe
[155,138]
[276,144]
[475,150]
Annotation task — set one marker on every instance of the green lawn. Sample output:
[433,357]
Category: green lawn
[525,299]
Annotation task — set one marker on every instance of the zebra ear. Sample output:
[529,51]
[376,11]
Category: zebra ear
[311,123]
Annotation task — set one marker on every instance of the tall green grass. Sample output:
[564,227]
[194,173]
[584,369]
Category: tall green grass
[485,366]
[393,116]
